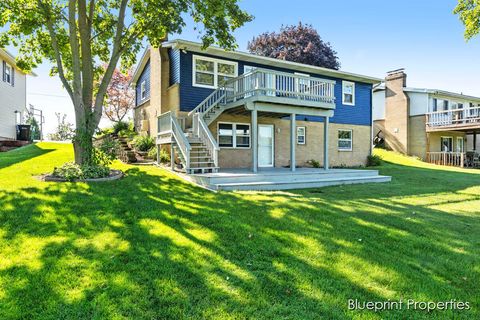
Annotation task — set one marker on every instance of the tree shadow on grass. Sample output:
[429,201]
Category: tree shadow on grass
[152,246]
[21,154]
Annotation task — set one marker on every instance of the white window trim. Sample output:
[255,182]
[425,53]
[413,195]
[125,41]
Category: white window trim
[234,134]
[215,71]
[344,84]
[351,140]
[10,68]
[304,135]
[143,90]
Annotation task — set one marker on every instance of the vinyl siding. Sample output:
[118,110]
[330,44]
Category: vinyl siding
[174,55]
[360,114]
[11,99]
[144,76]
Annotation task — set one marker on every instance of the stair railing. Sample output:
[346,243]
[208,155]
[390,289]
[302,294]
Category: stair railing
[216,97]
[201,130]
[168,124]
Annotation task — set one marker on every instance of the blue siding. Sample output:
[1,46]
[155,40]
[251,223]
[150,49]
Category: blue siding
[360,114]
[174,55]
[144,76]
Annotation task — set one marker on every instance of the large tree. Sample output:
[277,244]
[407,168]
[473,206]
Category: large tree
[299,43]
[469,12]
[80,36]
[120,96]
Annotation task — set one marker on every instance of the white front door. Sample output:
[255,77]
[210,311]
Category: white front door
[265,145]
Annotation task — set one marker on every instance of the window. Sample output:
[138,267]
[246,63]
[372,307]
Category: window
[460,144]
[446,144]
[211,73]
[348,93]
[234,135]
[301,135]
[7,73]
[143,90]
[345,141]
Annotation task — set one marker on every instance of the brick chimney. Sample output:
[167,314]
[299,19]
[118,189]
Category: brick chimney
[397,110]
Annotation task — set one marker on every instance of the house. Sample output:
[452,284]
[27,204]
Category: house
[13,97]
[435,125]
[216,109]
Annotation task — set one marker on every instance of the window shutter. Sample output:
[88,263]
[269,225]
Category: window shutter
[4,70]
[12,70]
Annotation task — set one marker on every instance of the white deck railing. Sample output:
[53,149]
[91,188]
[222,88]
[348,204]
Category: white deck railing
[200,129]
[456,159]
[264,82]
[454,118]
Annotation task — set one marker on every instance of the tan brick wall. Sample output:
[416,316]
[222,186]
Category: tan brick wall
[396,113]
[163,98]
[313,149]
[417,137]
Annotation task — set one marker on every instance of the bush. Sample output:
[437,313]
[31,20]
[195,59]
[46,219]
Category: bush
[110,147]
[374,161]
[315,163]
[71,171]
[127,134]
[121,125]
[164,156]
[143,143]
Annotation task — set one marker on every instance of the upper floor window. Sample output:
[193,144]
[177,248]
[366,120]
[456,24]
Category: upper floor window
[348,93]
[212,73]
[143,90]
[7,73]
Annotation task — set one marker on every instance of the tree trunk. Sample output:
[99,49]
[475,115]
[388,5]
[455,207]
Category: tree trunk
[83,140]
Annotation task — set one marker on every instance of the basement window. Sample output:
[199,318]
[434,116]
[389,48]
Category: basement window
[345,140]
[301,135]
[234,135]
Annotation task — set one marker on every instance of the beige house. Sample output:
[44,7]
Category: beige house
[435,125]
[215,110]
[12,95]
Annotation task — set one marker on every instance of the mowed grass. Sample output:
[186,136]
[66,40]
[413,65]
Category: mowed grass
[151,246]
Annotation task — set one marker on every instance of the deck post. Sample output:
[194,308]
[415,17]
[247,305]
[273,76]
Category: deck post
[474,140]
[325,143]
[172,156]
[158,153]
[254,141]
[293,136]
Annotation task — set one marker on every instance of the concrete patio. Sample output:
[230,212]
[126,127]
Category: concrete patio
[284,178]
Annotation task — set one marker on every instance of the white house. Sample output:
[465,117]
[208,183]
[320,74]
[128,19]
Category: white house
[12,95]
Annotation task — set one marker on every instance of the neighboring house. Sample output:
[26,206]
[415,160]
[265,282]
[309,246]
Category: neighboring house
[435,125]
[230,109]
[13,98]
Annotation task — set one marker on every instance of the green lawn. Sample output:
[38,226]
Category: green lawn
[151,246]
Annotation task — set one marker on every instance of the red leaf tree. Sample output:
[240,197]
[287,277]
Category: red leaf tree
[120,96]
[300,43]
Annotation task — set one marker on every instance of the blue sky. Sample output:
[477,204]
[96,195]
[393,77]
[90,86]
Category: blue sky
[371,38]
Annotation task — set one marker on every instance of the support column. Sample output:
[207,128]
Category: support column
[172,156]
[158,153]
[254,141]
[293,142]
[474,140]
[325,143]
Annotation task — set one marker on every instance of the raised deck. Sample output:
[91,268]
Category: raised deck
[283,178]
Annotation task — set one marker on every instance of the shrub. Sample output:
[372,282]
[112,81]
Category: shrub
[143,143]
[121,125]
[164,156]
[110,147]
[374,161]
[315,163]
[127,133]
[68,171]
[71,171]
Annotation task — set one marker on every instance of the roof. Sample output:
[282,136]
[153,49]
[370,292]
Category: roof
[381,87]
[249,57]
[10,59]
